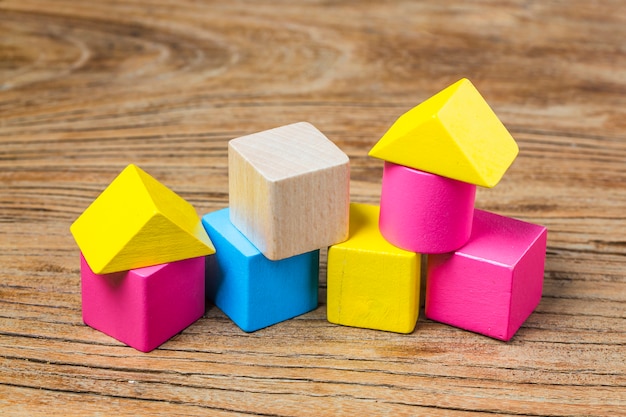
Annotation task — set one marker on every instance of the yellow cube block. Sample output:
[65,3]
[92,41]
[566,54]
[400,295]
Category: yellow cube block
[371,283]
[137,222]
[454,134]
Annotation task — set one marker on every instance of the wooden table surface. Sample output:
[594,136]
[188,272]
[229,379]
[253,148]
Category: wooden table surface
[89,87]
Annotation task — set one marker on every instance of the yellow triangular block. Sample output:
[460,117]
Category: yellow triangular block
[454,134]
[138,222]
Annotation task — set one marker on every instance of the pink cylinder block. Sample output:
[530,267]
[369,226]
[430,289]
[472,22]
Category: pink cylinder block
[423,212]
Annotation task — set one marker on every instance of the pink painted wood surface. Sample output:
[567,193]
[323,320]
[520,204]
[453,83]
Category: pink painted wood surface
[423,212]
[88,87]
[493,283]
[144,307]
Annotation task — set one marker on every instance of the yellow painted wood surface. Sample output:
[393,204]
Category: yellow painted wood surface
[88,87]
[289,190]
[455,134]
[371,283]
[137,222]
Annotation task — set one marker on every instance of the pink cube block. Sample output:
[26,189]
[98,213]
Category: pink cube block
[144,307]
[423,212]
[494,282]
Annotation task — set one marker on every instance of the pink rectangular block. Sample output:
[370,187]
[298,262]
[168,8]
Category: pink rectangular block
[144,307]
[493,283]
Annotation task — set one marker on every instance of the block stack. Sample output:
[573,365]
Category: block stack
[288,197]
[485,271]
[145,270]
[143,253]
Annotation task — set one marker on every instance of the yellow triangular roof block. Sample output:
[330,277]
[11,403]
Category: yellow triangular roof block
[454,134]
[136,222]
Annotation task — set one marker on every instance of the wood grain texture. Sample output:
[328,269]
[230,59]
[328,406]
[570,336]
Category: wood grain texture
[88,87]
[289,190]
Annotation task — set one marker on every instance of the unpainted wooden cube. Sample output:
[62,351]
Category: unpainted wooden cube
[289,190]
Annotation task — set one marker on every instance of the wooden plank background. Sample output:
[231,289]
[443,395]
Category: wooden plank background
[88,87]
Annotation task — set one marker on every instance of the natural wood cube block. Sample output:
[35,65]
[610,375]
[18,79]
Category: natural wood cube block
[289,190]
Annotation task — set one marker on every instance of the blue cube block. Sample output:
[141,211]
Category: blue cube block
[252,290]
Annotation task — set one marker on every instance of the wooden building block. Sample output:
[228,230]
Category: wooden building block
[423,212]
[144,307]
[254,291]
[289,190]
[136,222]
[494,282]
[454,134]
[371,283]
